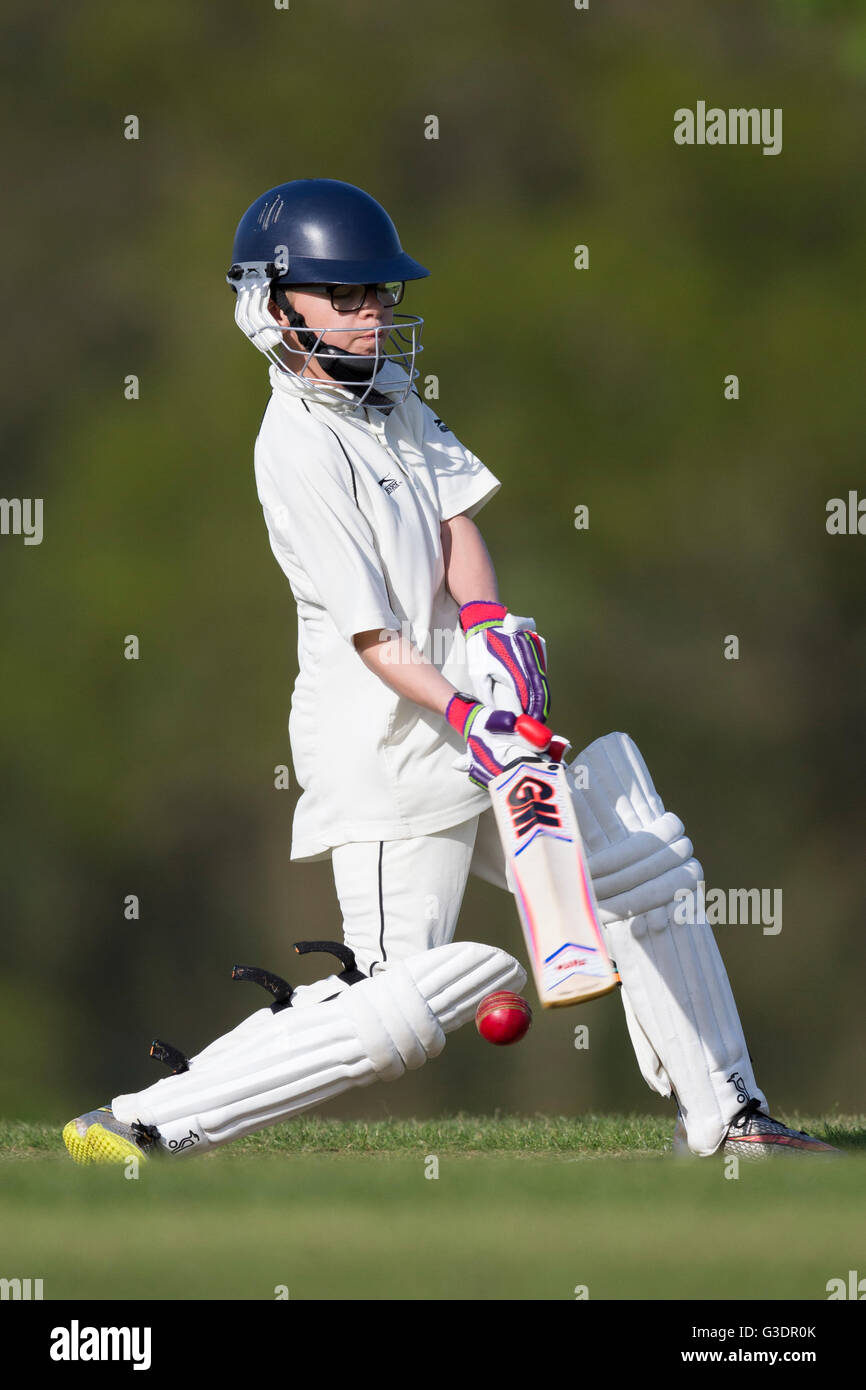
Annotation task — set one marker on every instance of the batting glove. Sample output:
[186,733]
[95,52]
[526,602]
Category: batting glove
[506,651]
[490,737]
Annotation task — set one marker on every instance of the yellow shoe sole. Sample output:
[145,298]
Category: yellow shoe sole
[99,1145]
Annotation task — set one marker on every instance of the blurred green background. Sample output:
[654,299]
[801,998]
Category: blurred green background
[602,387]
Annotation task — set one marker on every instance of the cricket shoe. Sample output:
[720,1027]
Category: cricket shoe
[752,1134]
[98,1137]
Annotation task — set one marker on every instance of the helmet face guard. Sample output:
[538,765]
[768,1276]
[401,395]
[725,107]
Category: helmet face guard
[321,232]
[399,342]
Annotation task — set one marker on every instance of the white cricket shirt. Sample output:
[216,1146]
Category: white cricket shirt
[353,500]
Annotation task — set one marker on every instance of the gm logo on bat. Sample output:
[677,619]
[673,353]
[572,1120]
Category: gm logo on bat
[529,802]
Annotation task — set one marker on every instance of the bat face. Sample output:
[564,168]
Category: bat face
[558,911]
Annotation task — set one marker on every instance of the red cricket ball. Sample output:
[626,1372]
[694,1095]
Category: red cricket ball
[503,1017]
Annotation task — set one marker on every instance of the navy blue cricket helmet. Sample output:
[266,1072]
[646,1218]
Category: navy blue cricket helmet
[322,231]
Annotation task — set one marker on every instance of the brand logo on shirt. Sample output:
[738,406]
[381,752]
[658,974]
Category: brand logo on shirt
[389,484]
[441,425]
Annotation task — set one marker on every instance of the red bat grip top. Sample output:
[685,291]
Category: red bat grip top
[533,731]
[540,737]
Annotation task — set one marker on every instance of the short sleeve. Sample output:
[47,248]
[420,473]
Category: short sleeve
[463,483]
[307,494]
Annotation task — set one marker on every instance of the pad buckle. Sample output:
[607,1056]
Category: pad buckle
[172,1057]
[274,984]
[350,972]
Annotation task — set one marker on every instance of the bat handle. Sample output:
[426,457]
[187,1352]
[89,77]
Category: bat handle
[558,748]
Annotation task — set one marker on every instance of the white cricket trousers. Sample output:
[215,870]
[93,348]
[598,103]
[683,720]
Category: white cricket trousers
[400,897]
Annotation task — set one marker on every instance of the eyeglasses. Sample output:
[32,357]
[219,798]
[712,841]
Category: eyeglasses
[348,298]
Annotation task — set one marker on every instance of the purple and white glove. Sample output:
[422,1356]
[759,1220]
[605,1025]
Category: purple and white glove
[505,650]
[490,737]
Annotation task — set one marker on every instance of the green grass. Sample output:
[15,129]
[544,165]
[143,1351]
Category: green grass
[586,1136]
[523,1208]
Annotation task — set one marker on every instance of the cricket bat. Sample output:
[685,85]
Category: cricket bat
[555,899]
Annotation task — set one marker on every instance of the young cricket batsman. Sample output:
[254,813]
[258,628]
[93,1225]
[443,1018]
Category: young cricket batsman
[411,673]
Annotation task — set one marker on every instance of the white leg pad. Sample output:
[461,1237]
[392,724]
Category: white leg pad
[680,1010]
[274,1065]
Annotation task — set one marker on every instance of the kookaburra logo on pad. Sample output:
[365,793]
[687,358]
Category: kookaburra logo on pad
[177,1144]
